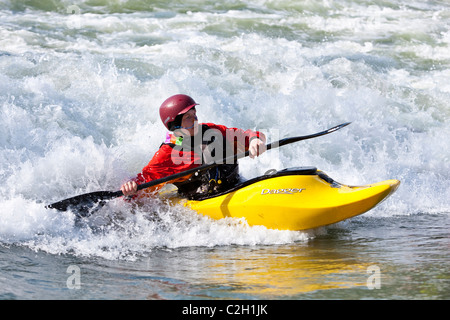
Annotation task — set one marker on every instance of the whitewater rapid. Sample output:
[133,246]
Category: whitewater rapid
[80,92]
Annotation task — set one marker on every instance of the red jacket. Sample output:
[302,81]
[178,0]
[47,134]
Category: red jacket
[162,164]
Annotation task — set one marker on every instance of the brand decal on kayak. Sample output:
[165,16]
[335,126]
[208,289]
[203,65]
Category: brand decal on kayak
[282,191]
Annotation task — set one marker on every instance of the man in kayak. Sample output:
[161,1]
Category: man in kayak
[189,145]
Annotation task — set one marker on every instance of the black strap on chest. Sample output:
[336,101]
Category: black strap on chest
[216,179]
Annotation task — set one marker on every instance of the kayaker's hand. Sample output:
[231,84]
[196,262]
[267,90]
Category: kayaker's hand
[129,188]
[256,148]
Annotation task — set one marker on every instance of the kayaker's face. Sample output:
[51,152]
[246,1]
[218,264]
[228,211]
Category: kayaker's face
[189,122]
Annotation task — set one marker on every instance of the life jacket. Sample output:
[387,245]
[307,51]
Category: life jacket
[215,180]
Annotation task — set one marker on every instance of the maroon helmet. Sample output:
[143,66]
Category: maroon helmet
[175,105]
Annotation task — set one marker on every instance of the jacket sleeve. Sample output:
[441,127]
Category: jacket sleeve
[239,137]
[162,165]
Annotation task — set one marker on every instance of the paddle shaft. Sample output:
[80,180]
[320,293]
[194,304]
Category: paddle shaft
[234,158]
[85,199]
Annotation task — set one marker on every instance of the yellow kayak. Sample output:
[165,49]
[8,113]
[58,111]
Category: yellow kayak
[294,199]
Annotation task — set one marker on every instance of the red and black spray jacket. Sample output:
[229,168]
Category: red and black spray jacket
[175,156]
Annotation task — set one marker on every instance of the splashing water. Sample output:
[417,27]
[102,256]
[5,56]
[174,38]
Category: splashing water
[80,91]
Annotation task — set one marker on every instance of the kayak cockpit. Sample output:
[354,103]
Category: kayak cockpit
[272,173]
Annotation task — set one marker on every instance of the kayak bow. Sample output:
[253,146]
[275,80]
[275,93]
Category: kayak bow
[293,199]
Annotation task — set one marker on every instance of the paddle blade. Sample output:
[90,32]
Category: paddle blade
[85,204]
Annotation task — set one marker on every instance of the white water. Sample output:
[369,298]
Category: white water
[79,96]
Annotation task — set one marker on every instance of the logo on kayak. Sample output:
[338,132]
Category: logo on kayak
[282,191]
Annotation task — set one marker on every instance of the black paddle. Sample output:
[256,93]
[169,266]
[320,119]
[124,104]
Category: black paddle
[83,204]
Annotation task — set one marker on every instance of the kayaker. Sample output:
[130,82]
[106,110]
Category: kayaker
[190,144]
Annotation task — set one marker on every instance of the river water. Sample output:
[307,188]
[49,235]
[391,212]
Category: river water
[80,86]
